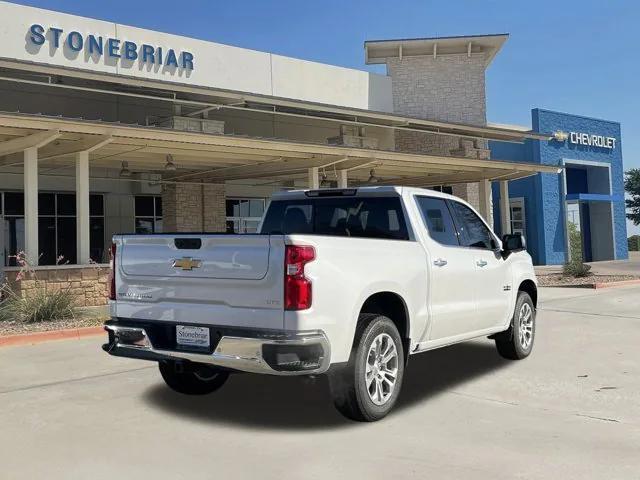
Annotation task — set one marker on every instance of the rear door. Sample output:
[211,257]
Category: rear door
[451,272]
[492,282]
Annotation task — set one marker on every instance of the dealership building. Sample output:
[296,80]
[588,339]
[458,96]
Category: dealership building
[107,128]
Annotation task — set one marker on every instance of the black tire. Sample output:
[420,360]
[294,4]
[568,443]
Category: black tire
[192,378]
[348,383]
[509,343]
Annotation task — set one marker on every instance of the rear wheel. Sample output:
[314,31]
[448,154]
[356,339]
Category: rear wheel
[192,378]
[367,387]
[517,342]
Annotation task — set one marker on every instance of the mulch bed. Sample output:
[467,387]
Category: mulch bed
[15,328]
[559,280]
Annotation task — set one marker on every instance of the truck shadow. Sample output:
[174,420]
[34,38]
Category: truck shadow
[266,402]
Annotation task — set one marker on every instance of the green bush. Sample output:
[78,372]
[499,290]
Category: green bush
[575,242]
[38,305]
[634,243]
[576,269]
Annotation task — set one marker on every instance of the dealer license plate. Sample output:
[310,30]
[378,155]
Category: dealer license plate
[192,336]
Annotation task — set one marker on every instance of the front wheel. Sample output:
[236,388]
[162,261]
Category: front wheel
[367,387]
[192,378]
[517,342]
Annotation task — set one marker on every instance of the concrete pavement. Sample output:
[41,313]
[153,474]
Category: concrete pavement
[572,410]
[631,266]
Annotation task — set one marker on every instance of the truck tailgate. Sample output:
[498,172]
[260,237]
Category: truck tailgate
[201,279]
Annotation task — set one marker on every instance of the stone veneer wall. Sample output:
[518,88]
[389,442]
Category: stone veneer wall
[448,88]
[88,283]
[193,207]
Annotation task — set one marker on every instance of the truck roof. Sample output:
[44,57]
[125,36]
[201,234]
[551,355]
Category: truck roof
[373,190]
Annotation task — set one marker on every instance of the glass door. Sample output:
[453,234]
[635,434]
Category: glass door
[518,221]
[244,214]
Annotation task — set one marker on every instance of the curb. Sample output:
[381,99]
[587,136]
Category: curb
[621,283]
[40,337]
[597,286]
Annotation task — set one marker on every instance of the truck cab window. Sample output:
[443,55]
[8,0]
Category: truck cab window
[438,220]
[473,232]
[374,217]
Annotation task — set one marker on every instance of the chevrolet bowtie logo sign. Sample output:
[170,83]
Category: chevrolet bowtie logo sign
[560,136]
[186,263]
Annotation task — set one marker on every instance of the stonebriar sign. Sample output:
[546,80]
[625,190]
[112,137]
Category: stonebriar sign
[113,48]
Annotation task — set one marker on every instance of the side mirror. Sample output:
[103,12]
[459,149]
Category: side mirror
[513,242]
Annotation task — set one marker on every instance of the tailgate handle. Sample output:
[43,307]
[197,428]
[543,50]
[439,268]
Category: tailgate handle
[188,243]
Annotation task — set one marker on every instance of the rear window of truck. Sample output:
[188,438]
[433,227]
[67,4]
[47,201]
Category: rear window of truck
[375,217]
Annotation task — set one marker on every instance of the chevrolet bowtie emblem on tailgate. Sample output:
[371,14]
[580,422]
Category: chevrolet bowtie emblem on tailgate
[186,263]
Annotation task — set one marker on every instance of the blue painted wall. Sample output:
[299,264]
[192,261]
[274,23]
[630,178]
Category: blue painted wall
[544,210]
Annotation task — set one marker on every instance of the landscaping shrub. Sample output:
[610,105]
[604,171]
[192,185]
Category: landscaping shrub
[634,243]
[576,269]
[38,305]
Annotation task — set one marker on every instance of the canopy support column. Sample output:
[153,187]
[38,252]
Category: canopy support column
[31,248]
[505,208]
[314,178]
[342,178]
[484,192]
[82,208]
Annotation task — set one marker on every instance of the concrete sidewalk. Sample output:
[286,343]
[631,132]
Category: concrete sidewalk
[613,267]
[571,410]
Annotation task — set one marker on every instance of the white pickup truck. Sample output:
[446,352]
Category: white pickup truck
[348,282]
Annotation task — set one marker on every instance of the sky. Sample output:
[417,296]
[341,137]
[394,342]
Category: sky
[579,57]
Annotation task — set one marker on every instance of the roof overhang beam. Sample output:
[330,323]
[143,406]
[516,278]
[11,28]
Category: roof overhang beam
[35,140]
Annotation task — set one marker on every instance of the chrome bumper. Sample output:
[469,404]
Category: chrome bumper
[244,354]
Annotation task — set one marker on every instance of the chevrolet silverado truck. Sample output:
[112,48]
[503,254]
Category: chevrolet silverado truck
[344,282]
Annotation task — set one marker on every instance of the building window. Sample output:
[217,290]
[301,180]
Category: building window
[56,227]
[244,214]
[443,188]
[12,209]
[518,220]
[148,214]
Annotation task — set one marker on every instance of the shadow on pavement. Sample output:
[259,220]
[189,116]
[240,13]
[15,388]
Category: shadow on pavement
[261,401]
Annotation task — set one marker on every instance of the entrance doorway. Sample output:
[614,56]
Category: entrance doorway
[589,213]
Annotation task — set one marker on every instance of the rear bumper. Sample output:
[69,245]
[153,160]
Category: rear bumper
[300,353]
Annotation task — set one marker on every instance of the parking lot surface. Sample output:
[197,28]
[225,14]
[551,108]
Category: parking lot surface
[571,410]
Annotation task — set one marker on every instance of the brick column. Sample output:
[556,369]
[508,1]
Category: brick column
[193,208]
[448,88]
[215,212]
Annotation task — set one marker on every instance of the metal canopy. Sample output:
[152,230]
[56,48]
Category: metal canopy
[200,99]
[219,158]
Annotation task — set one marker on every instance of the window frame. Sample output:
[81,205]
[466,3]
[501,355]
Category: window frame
[55,216]
[404,224]
[3,203]
[426,224]
[493,236]
[240,220]
[155,218]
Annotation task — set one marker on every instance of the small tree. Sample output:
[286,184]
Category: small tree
[575,243]
[632,186]
[575,267]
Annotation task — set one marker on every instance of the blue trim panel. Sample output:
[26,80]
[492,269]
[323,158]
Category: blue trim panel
[593,197]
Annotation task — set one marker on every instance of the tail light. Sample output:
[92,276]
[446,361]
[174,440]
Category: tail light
[112,272]
[297,288]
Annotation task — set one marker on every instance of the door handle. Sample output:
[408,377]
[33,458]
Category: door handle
[440,262]
[481,263]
